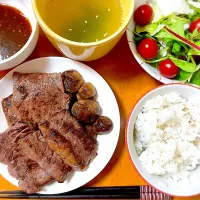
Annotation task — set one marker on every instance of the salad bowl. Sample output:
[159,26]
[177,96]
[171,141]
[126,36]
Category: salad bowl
[185,75]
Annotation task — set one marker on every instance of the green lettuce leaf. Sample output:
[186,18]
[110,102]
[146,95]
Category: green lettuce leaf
[163,34]
[195,33]
[174,22]
[177,27]
[194,51]
[174,18]
[196,78]
[150,28]
[193,36]
[176,47]
[194,16]
[184,65]
[183,76]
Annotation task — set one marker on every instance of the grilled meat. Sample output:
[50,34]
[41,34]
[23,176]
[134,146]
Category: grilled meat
[60,145]
[83,146]
[36,97]
[90,131]
[35,148]
[31,177]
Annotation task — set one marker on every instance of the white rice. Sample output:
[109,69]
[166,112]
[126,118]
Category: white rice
[167,135]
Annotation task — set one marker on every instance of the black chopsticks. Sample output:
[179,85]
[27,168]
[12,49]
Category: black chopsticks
[126,192]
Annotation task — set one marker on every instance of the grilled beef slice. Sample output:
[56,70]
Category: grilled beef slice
[35,148]
[6,105]
[36,97]
[9,142]
[83,146]
[60,145]
[31,177]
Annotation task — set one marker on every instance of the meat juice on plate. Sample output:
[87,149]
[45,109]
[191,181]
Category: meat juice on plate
[84,20]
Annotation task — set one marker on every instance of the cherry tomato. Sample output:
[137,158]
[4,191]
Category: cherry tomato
[148,48]
[143,15]
[195,25]
[168,69]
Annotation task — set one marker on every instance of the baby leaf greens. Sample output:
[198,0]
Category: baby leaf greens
[172,32]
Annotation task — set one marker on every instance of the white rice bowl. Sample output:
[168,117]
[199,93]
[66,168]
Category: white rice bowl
[163,139]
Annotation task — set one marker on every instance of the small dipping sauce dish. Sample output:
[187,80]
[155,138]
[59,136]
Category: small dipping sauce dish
[18,32]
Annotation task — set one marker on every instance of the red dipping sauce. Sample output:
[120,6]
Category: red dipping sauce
[15,30]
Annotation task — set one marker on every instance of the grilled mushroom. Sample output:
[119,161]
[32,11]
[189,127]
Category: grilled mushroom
[86,111]
[72,81]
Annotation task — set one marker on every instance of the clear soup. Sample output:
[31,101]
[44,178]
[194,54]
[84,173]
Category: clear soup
[84,20]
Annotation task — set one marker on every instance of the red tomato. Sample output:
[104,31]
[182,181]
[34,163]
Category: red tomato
[168,69]
[195,25]
[143,15]
[148,48]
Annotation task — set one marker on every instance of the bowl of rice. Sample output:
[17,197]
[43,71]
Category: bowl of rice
[163,139]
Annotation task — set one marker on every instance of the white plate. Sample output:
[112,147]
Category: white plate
[148,68]
[107,143]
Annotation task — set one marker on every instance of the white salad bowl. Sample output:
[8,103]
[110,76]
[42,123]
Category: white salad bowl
[148,68]
[183,188]
[25,7]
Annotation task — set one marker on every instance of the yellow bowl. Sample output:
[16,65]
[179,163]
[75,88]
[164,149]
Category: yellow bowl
[83,51]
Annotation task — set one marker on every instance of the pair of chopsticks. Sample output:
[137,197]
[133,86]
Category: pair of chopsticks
[126,192]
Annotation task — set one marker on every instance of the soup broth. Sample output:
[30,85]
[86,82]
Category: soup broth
[84,20]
